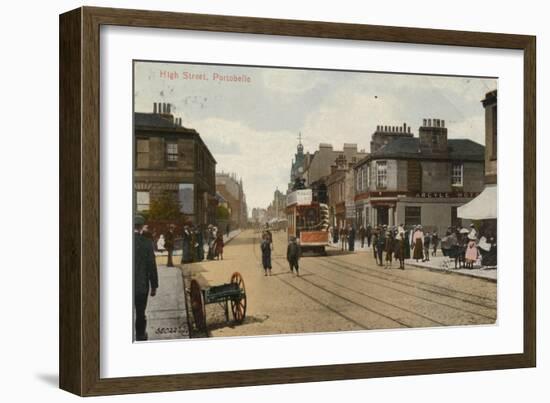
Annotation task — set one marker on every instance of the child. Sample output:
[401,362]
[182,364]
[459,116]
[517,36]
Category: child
[265,246]
[218,246]
[471,252]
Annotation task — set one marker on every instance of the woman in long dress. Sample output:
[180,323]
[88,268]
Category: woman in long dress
[471,252]
[418,242]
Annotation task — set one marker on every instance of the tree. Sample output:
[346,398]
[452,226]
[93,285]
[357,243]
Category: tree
[165,207]
[222,213]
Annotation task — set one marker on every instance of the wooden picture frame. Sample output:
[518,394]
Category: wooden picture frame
[79,200]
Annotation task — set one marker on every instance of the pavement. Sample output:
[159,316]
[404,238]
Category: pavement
[442,263]
[166,311]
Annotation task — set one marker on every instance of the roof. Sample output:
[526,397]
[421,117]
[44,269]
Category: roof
[152,120]
[409,148]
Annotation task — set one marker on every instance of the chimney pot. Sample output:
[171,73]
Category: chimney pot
[424,122]
[154,107]
[408,129]
[442,123]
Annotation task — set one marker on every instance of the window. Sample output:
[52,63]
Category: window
[142,154]
[142,200]
[381,174]
[413,215]
[186,198]
[366,179]
[171,154]
[358,175]
[457,175]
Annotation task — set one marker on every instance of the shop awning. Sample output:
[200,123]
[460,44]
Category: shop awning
[483,207]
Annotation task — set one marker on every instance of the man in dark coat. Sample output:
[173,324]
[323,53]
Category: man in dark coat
[145,277]
[368,232]
[186,245]
[362,234]
[380,245]
[169,244]
[293,253]
[351,238]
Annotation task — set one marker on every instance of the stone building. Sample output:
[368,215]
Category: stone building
[277,208]
[232,191]
[318,165]
[341,192]
[484,207]
[419,180]
[172,159]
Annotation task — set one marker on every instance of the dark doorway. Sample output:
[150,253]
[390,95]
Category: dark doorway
[382,216]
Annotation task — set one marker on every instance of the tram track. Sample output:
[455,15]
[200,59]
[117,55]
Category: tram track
[445,291]
[310,297]
[336,289]
[431,301]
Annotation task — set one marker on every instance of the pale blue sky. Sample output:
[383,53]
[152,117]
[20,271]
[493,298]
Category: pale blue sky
[251,127]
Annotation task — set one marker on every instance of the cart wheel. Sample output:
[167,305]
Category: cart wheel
[197,305]
[238,305]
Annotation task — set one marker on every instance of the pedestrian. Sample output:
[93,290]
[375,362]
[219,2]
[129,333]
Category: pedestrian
[473,232]
[362,235]
[351,238]
[380,246]
[169,244]
[407,243]
[146,232]
[374,242]
[227,229]
[210,238]
[186,245]
[435,242]
[471,253]
[418,242]
[389,248]
[218,246]
[270,237]
[145,277]
[399,249]
[293,253]
[160,243]
[265,246]
[200,243]
[368,232]
[344,238]
[427,244]
[335,235]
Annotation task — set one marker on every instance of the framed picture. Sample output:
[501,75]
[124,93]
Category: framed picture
[250,201]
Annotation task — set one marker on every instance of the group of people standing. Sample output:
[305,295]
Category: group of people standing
[394,242]
[466,247]
[193,239]
[344,235]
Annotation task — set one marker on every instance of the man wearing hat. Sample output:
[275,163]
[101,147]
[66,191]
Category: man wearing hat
[145,277]
[293,252]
